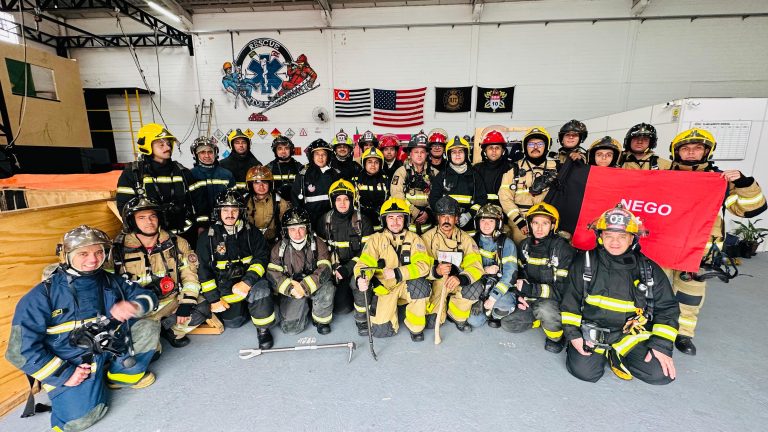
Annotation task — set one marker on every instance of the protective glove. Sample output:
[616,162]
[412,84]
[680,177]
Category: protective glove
[184,310]
[219,306]
[464,219]
[241,288]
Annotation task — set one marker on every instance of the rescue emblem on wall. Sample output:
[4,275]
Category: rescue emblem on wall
[265,75]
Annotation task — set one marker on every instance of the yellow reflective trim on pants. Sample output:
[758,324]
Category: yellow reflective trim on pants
[415,319]
[568,318]
[502,287]
[628,342]
[124,378]
[360,309]
[49,368]
[544,291]
[536,324]
[258,268]
[459,314]
[264,321]
[554,335]
[561,273]
[56,429]
[232,298]
[322,320]
[430,307]
[689,322]
[611,304]
[665,331]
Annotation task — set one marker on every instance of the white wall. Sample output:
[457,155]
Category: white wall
[561,70]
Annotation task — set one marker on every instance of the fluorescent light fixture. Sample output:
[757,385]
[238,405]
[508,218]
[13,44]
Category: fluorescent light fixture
[164,11]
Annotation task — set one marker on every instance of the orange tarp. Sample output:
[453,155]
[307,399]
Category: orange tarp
[94,182]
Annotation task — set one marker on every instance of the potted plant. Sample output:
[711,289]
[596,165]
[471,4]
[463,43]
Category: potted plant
[751,236]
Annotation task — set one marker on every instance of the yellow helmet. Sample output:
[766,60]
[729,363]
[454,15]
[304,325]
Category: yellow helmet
[691,136]
[150,132]
[544,209]
[374,153]
[342,138]
[457,142]
[341,187]
[395,206]
[238,133]
[538,132]
[618,219]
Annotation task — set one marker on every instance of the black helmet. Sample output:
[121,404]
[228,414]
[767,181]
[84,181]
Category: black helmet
[294,216]
[447,206]
[641,130]
[573,126]
[228,198]
[201,142]
[418,140]
[282,139]
[367,137]
[135,205]
[318,144]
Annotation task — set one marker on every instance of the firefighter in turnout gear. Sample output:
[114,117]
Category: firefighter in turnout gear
[233,256]
[310,189]
[692,150]
[240,158]
[411,182]
[264,208]
[372,185]
[284,167]
[345,230]
[51,342]
[437,140]
[457,270]
[618,307]
[544,261]
[499,256]
[300,271]
[495,163]
[343,161]
[527,183]
[393,265]
[390,149]
[164,263]
[461,182]
[571,136]
[639,143]
[367,140]
[209,176]
[162,180]
[604,152]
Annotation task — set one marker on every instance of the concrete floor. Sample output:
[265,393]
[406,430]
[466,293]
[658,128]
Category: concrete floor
[485,381]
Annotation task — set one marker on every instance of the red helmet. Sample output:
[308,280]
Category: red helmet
[438,136]
[302,59]
[493,137]
[389,140]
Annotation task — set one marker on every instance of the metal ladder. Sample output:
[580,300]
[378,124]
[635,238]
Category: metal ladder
[204,121]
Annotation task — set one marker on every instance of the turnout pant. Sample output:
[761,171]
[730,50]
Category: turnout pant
[294,313]
[591,368]
[690,294]
[166,315]
[384,318]
[343,298]
[544,313]
[258,305]
[458,302]
[78,408]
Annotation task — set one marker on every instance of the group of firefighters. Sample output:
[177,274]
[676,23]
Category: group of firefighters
[287,244]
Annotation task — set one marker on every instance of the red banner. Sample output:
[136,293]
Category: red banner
[678,208]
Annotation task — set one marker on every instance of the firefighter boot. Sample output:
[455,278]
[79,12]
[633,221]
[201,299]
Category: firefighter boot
[685,345]
[554,346]
[170,336]
[417,337]
[265,338]
[362,328]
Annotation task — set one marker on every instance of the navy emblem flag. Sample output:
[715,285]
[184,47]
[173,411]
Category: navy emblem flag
[495,100]
[453,99]
[352,103]
[398,108]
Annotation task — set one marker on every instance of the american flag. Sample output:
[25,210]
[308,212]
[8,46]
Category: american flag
[352,103]
[398,108]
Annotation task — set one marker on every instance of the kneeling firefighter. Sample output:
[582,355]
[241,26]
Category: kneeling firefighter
[300,272]
[394,265]
[232,259]
[614,295]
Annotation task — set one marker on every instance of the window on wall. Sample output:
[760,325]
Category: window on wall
[8,28]
[38,81]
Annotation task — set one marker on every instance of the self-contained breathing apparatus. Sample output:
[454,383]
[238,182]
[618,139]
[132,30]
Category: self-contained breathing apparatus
[548,179]
[103,336]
